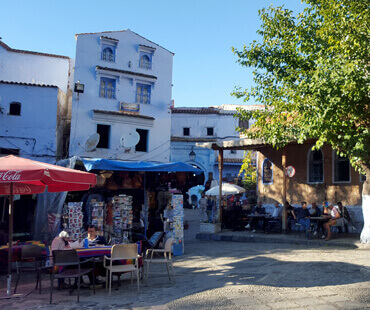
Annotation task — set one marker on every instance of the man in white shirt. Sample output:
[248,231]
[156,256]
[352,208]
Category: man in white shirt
[275,218]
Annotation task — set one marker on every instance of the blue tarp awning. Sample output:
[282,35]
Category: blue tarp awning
[116,165]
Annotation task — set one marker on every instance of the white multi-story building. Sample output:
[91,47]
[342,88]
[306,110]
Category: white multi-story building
[207,124]
[34,105]
[124,110]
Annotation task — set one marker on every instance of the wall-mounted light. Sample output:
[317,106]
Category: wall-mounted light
[79,88]
[192,154]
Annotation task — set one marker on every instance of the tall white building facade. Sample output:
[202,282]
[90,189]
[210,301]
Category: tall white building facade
[206,124]
[34,105]
[123,112]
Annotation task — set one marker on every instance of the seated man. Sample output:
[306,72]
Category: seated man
[302,216]
[274,219]
[315,212]
[93,238]
[345,218]
[258,210]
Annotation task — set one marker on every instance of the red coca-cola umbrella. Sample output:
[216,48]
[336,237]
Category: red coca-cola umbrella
[21,176]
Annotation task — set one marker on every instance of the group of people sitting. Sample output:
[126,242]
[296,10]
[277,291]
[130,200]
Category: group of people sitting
[268,221]
[303,217]
[63,242]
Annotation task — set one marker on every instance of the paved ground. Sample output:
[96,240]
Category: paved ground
[234,275]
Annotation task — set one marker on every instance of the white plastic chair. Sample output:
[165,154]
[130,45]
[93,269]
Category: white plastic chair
[165,257]
[119,253]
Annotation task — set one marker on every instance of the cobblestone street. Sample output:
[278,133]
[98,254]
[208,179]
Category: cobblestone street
[232,275]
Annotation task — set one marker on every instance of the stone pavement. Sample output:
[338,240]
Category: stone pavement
[232,275]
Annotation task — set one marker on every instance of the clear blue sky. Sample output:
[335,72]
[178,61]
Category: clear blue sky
[199,32]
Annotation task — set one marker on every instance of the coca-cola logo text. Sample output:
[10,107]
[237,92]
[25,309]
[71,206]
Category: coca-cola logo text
[11,175]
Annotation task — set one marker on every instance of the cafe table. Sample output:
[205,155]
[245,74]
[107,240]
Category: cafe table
[94,251]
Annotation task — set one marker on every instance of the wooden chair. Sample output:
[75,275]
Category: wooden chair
[63,260]
[122,252]
[165,257]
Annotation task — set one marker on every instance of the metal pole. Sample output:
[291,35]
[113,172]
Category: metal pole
[284,217]
[145,207]
[10,241]
[220,168]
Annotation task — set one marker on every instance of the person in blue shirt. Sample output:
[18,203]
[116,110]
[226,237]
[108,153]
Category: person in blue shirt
[302,216]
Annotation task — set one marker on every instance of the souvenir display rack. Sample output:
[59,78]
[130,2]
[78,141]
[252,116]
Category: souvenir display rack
[178,224]
[122,218]
[75,219]
[97,214]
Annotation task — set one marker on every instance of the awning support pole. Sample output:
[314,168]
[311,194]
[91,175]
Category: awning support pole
[220,168]
[284,217]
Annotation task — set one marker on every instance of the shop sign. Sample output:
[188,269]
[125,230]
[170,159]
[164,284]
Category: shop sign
[11,175]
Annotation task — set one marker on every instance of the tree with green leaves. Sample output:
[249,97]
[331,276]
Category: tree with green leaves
[312,75]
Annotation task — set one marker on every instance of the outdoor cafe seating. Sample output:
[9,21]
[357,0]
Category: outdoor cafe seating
[63,261]
[120,254]
[160,256]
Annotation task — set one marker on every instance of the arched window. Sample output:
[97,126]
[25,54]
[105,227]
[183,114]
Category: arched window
[267,176]
[145,62]
[108,54]
[315,167]
[15,108]
[342,169]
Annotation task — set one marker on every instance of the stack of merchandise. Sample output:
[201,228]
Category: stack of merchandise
[75,219]
[178,224]
[122,218]
[97,214]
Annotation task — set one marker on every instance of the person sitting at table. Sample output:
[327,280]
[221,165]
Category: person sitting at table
[93,238]
[289,209]
[325,218]
[335,216]
[345,218]
[315,212]
[61,242]
[302,216]
[275,218]
[257,210]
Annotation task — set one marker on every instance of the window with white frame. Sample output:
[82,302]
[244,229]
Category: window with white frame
[15,108]
[143,93]
[342,169]
[267,169]
[107,88]
[315,166]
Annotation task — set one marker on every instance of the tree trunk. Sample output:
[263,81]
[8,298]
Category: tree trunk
[365,234]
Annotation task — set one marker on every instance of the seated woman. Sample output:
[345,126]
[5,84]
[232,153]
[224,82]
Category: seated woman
[335,216]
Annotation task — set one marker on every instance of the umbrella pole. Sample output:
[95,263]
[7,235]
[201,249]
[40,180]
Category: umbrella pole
[145,206]
[10,241]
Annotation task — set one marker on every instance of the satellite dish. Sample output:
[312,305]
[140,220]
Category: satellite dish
[92,142]
[130,138]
